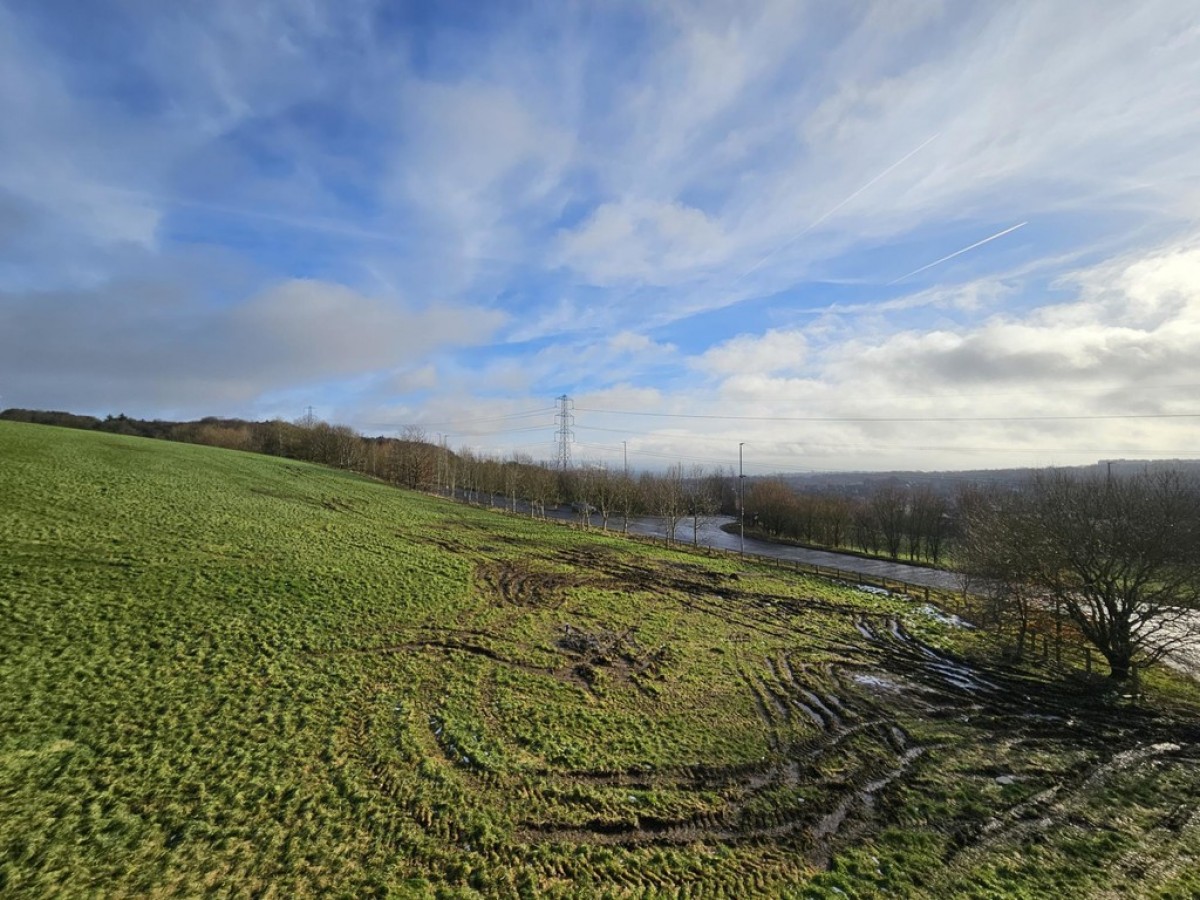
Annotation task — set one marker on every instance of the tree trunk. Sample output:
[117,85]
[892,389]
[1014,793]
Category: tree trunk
[1119,665]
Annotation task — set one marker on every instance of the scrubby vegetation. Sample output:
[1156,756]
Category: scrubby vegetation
[234,674]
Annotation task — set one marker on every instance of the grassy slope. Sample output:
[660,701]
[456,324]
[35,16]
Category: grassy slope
[249,675]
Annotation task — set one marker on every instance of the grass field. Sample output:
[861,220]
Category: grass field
[238,675]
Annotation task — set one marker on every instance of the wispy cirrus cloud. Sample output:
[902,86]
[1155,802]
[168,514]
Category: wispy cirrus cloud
[696,200]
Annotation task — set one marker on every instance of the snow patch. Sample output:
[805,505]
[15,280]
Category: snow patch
[944,618]
[872,589]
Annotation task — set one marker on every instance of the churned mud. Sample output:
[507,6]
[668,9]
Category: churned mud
[843,737]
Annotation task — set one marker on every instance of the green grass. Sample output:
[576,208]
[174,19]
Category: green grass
[232,674]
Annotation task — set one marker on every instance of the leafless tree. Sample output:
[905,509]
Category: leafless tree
[994,565]
[514,477]
[701,498]
[771,504]
[626,498]
[889,504]
[413,461]
[664,496]
[1120,556]
[926,523]
[603,494]
[542,488]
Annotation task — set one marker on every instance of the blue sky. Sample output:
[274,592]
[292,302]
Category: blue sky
[448,214]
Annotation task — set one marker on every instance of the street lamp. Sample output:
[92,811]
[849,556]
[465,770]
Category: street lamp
[741,501]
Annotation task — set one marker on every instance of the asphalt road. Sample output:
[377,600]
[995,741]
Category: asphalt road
[711,535]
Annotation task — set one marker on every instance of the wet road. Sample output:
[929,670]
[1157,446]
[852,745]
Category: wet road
[711,535]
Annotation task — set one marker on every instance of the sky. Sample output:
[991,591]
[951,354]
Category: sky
[862,235]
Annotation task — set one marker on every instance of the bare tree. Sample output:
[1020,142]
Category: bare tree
[514,477]
[604,489]
[866,534]
[836,516]
[413,458]
[626,499]
[542,487]
[701,498]
[994,565]
[926,524]
[1121,557]
[664,497]
[890,508]
[580,482]
[773,504]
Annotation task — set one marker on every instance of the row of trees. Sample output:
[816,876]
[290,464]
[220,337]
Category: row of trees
[893,519]
[694,495]
[413,461]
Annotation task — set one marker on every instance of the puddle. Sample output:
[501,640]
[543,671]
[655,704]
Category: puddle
[878,682]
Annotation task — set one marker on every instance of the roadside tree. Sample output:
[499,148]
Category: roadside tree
[1119,556]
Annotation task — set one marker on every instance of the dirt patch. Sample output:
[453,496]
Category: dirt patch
[513,584]
[600,656]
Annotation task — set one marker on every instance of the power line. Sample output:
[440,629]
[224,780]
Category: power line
[806,446]
[488,432]
[475,421]
[1075,418]
[987,395]
[690,458]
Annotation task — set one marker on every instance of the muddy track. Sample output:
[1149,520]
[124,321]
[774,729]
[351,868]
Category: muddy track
[1057,807]
[508,583]
[780,696]
[847,808]
[835,733]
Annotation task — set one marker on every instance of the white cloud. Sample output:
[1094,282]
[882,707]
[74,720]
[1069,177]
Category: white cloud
[327,329]
[653,243]
[155,345]
[480,165]
[59,157]
[600,194]
[774,351]
[1126,342]
[416,378]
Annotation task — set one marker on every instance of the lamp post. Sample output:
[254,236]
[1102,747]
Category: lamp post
[741,502]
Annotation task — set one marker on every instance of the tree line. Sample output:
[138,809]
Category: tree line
[694,494]
[893,519]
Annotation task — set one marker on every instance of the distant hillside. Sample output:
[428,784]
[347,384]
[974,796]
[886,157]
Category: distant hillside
[947,482]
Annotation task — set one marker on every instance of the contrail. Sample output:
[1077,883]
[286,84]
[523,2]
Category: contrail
[813,224]
[938,262]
